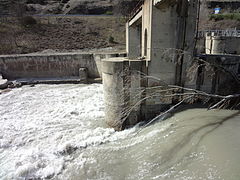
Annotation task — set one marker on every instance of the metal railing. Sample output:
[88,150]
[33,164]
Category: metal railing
[224,33]
[137,8]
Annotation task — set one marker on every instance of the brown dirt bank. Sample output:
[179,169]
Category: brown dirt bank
[61,33]
[219,25]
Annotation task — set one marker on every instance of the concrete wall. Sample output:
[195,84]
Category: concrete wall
[200,46]
[52,65]
[189,42]
[222,45]
[146,29]
[162,33]
[211,81]
[163,44]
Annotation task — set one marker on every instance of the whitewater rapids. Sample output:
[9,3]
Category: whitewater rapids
[58,132]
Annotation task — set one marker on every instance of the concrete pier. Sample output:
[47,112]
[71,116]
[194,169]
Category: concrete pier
[122,90]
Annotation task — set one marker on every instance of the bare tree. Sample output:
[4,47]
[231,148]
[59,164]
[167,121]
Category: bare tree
[124,7]
[183,95]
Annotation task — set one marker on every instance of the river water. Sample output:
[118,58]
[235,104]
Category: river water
[58,132]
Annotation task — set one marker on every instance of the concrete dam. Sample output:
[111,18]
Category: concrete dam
[66,126]
[161,52]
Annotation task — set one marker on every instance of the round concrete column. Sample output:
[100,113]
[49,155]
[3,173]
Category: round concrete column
[215,45]
[114,92]
[208,44]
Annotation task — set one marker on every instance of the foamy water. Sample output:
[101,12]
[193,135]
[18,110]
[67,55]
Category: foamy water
[58,132]
[37,123]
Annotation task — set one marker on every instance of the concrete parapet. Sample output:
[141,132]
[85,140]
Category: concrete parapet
[58,65]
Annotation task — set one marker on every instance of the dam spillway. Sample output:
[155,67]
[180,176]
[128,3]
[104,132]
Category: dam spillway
[58,132]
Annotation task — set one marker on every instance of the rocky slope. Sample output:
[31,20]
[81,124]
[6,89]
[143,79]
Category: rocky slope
[61,33]
[67,6]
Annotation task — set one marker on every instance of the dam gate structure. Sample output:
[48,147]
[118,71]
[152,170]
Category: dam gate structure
[160,44]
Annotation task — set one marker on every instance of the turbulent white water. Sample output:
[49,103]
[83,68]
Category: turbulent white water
[58,132]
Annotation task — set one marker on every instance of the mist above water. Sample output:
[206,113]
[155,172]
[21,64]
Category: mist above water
[58,132]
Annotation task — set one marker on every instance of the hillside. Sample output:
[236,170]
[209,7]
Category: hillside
[62,33]
[96,7]
[229,17]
